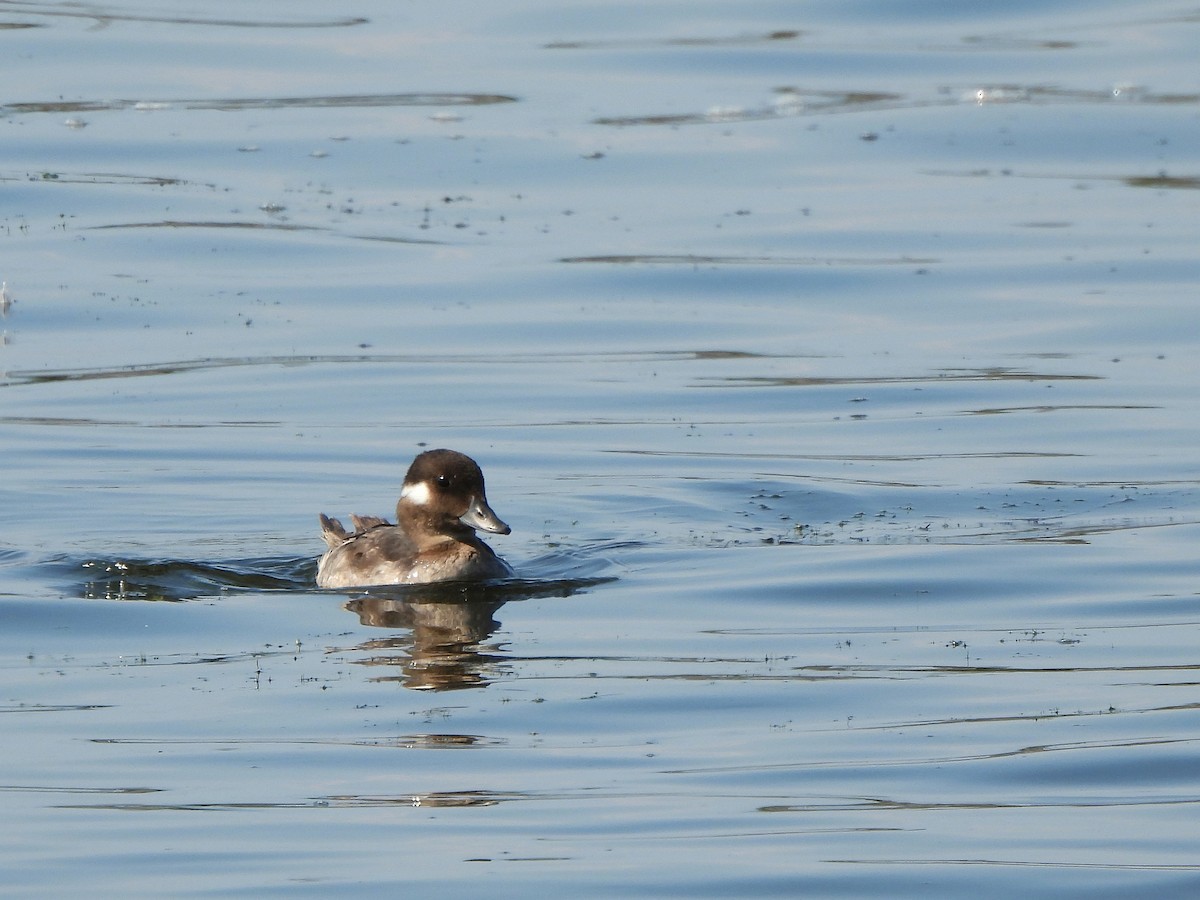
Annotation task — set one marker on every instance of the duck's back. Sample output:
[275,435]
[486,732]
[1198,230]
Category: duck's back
[383,554]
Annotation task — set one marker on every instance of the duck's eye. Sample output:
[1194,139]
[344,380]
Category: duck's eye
[443,481]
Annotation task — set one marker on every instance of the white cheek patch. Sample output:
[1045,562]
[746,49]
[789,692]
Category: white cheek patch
[417,494]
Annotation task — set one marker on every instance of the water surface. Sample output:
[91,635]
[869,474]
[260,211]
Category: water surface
[833,366]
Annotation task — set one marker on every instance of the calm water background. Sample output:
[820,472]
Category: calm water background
[834,364]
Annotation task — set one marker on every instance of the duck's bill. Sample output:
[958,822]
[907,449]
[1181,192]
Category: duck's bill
[479,515]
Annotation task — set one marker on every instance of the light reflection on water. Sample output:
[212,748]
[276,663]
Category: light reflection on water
[834,374]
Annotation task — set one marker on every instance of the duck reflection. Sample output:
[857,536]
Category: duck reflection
[444,645]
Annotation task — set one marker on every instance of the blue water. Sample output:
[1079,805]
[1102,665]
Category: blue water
[833,365]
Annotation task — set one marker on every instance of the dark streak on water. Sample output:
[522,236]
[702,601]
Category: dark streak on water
[231,104]
[104,17]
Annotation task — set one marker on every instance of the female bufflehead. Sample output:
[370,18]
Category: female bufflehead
[441,504]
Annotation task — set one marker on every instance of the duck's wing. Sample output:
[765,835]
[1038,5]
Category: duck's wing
[380,546]
[383,555]
[333,532]
[366,523]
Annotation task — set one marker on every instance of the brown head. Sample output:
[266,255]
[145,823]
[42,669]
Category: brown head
[444,491]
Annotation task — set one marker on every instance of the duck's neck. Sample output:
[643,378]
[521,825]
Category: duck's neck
[425,528]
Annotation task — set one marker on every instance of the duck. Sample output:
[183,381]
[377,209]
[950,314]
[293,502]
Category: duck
[433,539]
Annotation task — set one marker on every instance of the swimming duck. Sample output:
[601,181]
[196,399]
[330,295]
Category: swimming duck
[441,504]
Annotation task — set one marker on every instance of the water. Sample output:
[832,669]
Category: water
[833,366]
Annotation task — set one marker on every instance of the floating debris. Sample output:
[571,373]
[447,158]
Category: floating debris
[1125,91]
[984,95]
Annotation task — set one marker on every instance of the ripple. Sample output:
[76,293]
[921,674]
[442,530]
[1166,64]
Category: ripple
[782,35]
[103,17]
[233,104]
[689,259]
